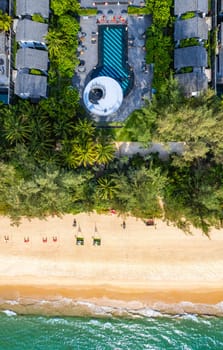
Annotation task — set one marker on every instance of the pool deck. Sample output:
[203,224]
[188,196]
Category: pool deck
[137,25]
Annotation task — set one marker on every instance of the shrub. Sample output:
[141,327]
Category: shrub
[133,10]
[35,72]
[159,51]
[186,70]
[188,42]
[38,18]
[87,12]
[188,15]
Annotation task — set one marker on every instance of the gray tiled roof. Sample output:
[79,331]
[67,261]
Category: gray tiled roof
[192,82]
[191,28]
[30,86]
[28,30]
[29,7]
[31,58]
[220,63]
[4,5]
[192,56]
[2,42]
[221,33]
[183,6]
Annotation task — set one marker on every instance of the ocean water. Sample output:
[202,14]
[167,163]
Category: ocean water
[184,332]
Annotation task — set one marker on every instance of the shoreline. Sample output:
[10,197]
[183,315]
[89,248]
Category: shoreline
[139,268]
[54,300]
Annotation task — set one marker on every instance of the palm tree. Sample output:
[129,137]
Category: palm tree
[82,154]
[41,141]
[54,43]
[16,128]
[5,22]
[106,188]
[105,152]
[63,127]
[85,129]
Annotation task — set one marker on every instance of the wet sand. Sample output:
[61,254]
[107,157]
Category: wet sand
[140,266]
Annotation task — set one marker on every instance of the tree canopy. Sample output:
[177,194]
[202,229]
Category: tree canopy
[60,7]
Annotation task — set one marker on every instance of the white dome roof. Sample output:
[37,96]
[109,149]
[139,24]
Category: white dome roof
[103,96]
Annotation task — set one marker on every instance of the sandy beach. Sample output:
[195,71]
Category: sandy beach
[140,266]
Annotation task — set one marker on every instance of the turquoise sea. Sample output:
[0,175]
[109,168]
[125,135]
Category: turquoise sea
[110,333]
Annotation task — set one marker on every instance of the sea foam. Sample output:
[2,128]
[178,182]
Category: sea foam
[109,308]
[9,313]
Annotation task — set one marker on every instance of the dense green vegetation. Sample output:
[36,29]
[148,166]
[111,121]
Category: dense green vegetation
[161,11]
[194,185]
[62,42]
[53,162]
[189,42]
[159,52]
[159,43]
[60,7]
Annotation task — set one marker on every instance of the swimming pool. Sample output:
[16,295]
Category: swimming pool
[113,56]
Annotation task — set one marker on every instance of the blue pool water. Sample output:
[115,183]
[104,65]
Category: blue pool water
[113,56]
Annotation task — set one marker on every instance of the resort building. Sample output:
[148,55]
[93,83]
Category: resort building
[191,28]
[32,59]
[4,67]
[198,6]
[31,34]
[193,83]
[113,77]
[31,7]
[190,55]
[31,86]
[220,7]
[219,67]
[4,6]
[30,76]
[195,58]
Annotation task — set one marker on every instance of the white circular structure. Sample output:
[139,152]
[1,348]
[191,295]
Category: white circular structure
[103,96]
